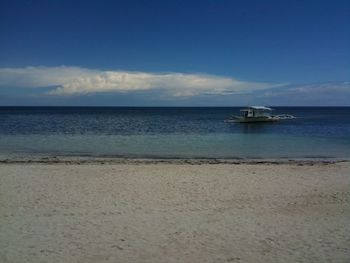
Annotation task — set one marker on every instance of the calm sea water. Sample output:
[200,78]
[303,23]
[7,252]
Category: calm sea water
[318,132]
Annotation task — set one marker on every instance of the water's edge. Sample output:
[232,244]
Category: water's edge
[77,160]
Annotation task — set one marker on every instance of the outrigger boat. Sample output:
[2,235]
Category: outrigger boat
[259,114]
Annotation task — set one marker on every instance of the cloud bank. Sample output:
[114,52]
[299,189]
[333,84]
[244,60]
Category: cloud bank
[78,81]
[317,94]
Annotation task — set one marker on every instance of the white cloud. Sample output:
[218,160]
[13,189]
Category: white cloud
[327,89]
[314,94]
[76,80]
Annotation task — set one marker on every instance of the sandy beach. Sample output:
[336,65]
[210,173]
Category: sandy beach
[174,212]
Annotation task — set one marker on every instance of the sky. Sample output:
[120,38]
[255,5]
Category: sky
[175,53]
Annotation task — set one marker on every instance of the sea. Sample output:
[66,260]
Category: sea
[173,132]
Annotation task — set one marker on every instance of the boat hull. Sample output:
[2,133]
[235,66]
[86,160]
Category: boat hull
[253,119]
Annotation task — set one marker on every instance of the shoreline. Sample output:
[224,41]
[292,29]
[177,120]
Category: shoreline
[83,159]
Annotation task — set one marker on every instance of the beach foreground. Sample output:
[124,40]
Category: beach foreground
[164,212]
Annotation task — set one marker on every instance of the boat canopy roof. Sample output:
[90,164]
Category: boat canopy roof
[257,108]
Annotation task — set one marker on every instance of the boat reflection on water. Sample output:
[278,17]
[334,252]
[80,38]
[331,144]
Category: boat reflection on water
[255,127]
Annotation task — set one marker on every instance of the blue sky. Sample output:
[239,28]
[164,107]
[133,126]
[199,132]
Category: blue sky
[174,52]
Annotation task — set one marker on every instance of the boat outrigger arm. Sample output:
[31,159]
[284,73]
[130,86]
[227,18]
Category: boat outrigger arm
[259,114]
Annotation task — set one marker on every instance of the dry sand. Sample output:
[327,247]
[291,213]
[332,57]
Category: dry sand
[141,212]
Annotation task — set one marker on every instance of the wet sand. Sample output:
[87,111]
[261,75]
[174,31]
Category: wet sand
[185,211]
